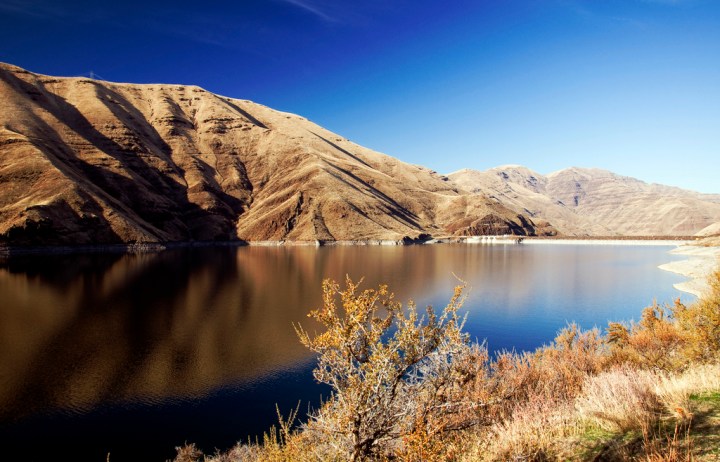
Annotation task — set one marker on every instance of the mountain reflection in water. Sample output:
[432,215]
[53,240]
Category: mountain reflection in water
[78,332]
[83,330]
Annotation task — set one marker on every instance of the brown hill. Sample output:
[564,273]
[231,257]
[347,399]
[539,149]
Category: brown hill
[712,230]
[582,201]
[522,189]
[91,162]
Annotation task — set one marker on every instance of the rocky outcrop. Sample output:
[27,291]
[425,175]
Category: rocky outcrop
[594,202]
[91,162]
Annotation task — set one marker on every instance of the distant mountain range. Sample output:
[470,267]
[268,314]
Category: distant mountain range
[87,162]
[595,202]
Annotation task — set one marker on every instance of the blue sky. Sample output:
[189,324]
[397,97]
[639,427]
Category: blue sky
[630,86]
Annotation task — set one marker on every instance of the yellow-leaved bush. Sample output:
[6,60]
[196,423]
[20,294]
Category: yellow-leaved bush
[398,378]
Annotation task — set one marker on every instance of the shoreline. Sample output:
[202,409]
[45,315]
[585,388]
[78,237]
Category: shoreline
[702,262]
[152,247]
[667,242]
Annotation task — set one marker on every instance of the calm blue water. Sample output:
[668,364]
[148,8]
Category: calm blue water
[133,355]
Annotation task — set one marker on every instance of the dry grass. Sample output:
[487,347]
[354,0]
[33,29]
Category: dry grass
[655,405]
[531,433]
[620,400]
[675,390]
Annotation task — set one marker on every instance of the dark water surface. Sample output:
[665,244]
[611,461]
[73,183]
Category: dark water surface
[133,355]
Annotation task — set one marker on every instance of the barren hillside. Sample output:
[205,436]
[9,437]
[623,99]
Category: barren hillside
[91,162]
[581,201]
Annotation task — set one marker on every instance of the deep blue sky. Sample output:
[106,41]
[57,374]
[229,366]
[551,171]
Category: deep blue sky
[631,86]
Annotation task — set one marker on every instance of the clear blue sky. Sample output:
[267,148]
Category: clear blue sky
[630,86]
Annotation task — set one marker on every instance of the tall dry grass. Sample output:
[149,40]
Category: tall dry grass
[654,404]
[621,400]
[530,432]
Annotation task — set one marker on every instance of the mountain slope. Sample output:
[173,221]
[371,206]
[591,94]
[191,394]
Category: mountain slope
[522,189]
[632,207]
[581,201]
[712,230]
[91,162]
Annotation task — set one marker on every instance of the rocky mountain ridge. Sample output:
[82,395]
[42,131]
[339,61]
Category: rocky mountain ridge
[87,162]
[596,202]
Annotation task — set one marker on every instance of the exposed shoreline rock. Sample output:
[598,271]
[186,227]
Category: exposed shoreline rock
[12,251]
[702,263]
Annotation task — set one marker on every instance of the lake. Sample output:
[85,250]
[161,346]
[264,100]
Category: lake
[133,355]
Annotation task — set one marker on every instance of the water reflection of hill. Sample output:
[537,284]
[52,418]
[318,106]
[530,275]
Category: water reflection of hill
[144,327]
[76,331]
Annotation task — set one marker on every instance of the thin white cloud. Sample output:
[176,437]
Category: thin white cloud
[53,11]
[32,8]
[632,22]
[669,2]
[311,8]
[584,11]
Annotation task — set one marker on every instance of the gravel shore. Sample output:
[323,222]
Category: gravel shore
[701,263]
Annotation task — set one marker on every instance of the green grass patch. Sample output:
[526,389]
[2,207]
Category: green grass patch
[708,397]
[597,434]
[595,441]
